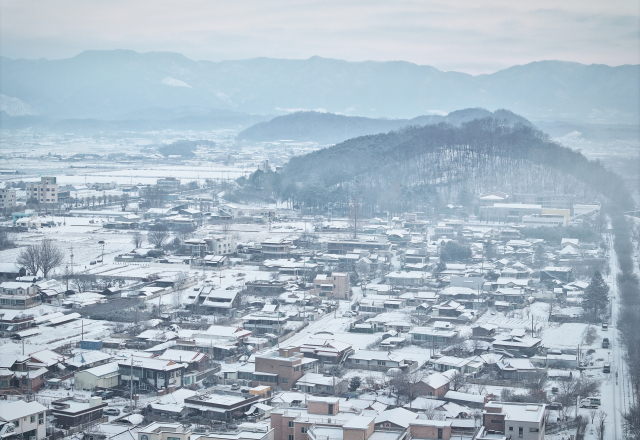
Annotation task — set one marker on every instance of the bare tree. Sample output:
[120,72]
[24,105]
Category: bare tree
[50,256]
[28,258]
[158,235]
[458,381]
[137,239]
[43,257]
[430,410]
[601,425]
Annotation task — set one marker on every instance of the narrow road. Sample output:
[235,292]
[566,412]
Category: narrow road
[615,390]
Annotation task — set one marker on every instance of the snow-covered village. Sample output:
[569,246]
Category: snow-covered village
[353,220]
[152,302]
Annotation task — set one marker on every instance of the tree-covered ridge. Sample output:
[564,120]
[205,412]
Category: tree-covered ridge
[483,154]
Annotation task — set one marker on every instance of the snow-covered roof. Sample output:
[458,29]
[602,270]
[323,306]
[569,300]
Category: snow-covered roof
[17,409]
[398,416]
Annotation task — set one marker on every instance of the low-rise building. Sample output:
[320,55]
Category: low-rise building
[282,369]
[164,431]
[18,295]
[24,419]
[152,373]
[103,376]
[435,384]
[332,286]
[514,420]
[71,412]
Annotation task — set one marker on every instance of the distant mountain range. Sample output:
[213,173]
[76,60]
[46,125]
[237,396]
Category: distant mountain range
[329,128]
[123,85]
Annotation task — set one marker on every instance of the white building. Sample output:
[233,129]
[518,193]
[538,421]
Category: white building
[45,191]
[26,418]
[7,198]
[102,376]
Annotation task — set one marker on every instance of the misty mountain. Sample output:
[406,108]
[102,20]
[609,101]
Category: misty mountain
[416,167]
[144,120]
[329,128]
[106,84]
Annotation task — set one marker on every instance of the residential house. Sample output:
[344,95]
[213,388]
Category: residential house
[315,383]
[152,373]
[164,431]
[484,330]
[11,271]
[432,335]
[282,369]
[380,361]
[434,384]
[18,295]
[519,369]
[23,420]
[263,323]
[398,418]
[220,407]
[406,279]
[16,374]
[265,287]
[327,351]
[553,273]
[464,366]
[430,429]
[518,343]
[222,302]
[12,321]
[514,420]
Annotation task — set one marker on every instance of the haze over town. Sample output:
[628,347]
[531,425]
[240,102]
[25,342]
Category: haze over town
[319,221]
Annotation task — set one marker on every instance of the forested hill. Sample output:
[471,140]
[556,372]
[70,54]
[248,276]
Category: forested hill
[417,167]
[329,128]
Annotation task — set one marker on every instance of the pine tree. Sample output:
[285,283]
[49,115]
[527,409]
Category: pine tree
[596,296]
[539,258]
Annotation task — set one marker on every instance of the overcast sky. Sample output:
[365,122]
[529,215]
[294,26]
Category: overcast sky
[465,35]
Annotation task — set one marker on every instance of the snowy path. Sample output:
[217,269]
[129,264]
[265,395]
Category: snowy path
[616,389]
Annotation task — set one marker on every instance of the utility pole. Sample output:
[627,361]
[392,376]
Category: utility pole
[355,206]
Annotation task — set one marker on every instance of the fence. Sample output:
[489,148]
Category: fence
[497,382]
[552,428]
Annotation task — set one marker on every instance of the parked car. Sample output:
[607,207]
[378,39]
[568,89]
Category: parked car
[605,326]
[235,386]
[557,406]
[606,368]
[605,343]
[112,412]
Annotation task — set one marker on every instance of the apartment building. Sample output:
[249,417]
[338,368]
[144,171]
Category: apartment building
[168,184]
[7,198]
[333,286]
[45,191]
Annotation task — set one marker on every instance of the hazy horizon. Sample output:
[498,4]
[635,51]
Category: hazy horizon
[466,37]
